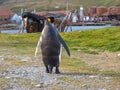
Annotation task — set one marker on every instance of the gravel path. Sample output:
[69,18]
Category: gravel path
[38,79]
[34,77]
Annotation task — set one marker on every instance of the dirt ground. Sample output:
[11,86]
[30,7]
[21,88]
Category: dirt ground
[104,60]
[30,73]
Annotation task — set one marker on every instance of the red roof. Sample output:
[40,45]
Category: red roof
[5,12]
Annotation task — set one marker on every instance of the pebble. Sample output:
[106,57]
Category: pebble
[7,77]
[1,58]
[119,54]
[38,85]
[92,76]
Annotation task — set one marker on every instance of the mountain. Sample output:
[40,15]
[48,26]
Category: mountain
[41,5]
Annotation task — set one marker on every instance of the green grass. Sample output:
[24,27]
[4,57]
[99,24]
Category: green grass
[104,39]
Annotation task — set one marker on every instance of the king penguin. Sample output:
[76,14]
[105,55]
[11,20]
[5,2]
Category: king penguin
[50,43]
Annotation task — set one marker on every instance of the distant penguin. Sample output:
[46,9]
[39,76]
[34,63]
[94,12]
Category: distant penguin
[50,43]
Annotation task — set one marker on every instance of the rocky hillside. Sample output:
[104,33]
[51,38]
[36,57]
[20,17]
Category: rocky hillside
[39,5]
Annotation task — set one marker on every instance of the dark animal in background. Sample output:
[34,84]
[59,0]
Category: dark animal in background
[50,42]
[34,23]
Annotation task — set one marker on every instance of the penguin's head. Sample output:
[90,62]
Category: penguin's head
[50,19]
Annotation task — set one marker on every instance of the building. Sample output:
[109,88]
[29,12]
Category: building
[114,10]
[5,15]
[92,10]
[102,10]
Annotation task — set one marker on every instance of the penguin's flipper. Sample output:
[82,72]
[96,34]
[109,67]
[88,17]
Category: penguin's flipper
[64,44]
[38,45]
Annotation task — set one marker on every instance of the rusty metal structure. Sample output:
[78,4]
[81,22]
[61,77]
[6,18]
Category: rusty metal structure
[101,10]
[114,13]
[57,23]
[92,10]
[104,11]
[114,10]
[35,22]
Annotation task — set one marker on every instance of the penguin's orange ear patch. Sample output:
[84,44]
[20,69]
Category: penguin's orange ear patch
[48,19]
